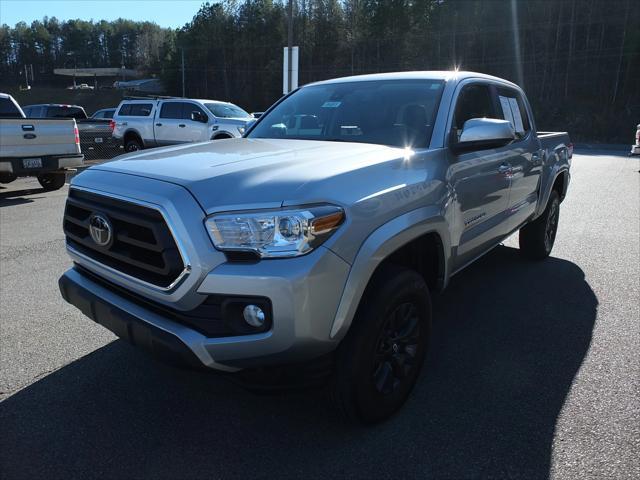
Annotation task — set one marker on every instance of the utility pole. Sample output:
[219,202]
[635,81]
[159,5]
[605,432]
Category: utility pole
[31,69]
[183,94]
[290,47]
[26,76]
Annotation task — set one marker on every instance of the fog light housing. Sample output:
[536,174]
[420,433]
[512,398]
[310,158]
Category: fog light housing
[254,316]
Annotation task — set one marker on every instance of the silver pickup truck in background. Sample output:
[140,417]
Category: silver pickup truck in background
[154,122]
[313,243]
[39,148]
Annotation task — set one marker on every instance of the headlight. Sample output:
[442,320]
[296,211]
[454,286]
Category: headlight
[241,130]
[275,233]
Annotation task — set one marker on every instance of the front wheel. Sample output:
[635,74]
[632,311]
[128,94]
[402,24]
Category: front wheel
[379,360]
[51,181]
[537,238]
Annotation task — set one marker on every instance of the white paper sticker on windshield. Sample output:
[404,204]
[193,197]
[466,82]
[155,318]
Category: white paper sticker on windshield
[331,104]
[517,116]
[506,109]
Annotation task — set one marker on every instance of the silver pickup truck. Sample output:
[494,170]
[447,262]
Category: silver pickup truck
[314,243]
[39,148]
[149,122]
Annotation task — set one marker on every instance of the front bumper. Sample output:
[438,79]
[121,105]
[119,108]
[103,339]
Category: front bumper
[15,166]
[304,293]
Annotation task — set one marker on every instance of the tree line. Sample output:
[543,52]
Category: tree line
[578,60]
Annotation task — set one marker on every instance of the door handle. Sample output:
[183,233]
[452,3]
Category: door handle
[182,125]
[158,124]
[504,168]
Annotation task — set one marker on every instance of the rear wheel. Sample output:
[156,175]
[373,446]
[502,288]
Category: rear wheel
[132,145]
[537,238]
[379,360]
[51,181]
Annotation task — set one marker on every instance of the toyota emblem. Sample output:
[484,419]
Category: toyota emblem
[100,229]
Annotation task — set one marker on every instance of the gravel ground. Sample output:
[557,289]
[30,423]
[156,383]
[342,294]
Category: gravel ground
[533,370]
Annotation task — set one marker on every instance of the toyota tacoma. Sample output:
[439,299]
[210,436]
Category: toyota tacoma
[319,237]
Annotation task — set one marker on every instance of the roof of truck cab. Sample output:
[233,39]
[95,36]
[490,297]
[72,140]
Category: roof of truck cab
[446,75]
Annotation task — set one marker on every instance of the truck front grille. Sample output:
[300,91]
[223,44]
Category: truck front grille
[141,244]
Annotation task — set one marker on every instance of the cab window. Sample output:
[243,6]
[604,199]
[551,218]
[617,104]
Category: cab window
[192,107]
[511,107]
[8,109]
[474,101]
[172,110]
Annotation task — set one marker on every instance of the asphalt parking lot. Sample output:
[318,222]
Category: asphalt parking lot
[533,370]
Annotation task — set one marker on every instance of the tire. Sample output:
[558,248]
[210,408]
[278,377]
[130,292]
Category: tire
[537,238]
[132,145]
[7,177]
[51,181]
[378,362]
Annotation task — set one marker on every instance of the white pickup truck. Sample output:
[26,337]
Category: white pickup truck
[42,148]
[154,122]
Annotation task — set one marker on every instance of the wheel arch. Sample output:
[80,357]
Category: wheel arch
[222,135]
[132,134]
[558,179]
[394,242]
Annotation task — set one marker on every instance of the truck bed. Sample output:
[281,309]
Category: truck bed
[30,137]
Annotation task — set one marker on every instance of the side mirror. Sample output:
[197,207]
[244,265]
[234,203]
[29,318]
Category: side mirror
[479,133]
[198,117]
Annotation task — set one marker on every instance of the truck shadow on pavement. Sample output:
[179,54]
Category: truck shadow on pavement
[509,337]
[19,197]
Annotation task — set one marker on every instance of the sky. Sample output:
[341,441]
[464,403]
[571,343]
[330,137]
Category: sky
[166,13]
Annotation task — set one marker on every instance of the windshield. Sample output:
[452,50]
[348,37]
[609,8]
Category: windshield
[226,110]
[398,113]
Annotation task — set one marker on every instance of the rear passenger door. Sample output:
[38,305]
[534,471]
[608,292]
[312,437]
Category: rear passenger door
[170,127]
[480,179]
[525,157]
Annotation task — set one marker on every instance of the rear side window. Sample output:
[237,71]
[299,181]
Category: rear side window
[8,109]
[135,110]
[511,107]
[171,110]
[34,111]
[474,101]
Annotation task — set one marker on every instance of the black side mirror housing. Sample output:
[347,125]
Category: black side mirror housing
[198,117]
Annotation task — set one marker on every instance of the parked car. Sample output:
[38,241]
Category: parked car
[45,149]
[105,113]
[316,251]
[55,110]
[95,133]
[153,122]
[80,86]
[635,149]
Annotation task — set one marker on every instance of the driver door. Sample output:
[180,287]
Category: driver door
[480,180]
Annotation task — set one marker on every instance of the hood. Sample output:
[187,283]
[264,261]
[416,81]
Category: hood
[247,173]
[235,120]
